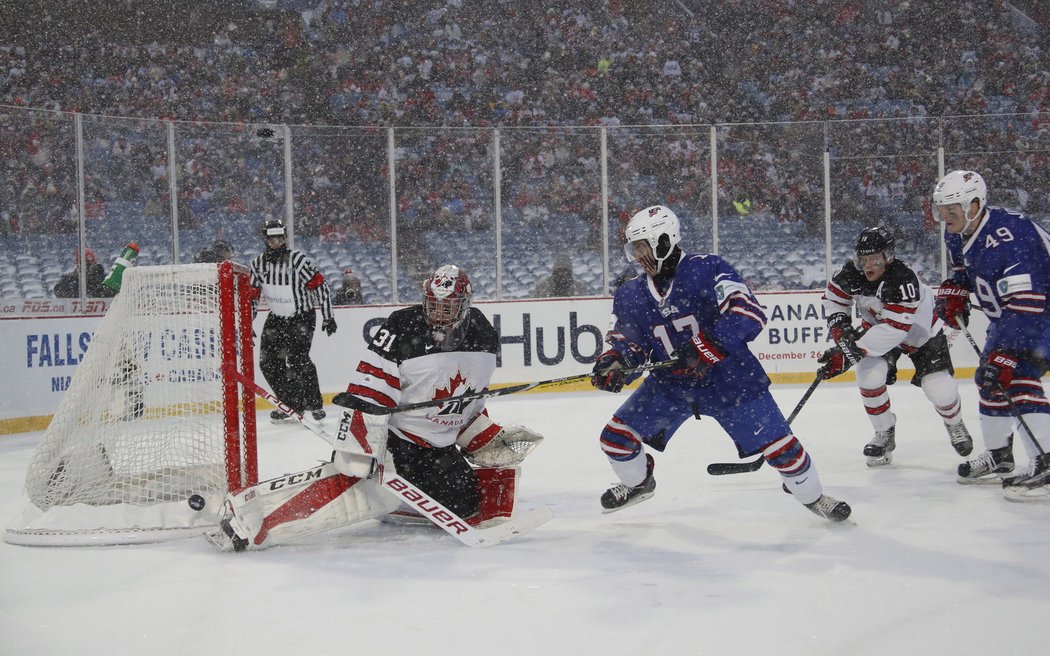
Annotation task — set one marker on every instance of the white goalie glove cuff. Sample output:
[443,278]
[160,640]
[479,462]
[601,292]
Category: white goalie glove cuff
[487,444]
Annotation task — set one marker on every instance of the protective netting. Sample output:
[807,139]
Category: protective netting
[141,429]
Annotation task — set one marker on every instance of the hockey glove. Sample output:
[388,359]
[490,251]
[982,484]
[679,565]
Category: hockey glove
[328,325]
[995,373]
[837,359]
[697,355]
[841,327]
[953,304]
[607,374]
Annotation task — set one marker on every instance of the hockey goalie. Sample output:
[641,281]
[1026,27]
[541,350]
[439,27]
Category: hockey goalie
[453,452]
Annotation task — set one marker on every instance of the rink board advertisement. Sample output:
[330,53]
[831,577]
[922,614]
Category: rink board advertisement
[539,340]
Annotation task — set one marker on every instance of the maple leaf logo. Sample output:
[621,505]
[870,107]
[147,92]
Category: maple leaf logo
[454,385]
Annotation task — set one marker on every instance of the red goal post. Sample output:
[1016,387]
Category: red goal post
[156,419]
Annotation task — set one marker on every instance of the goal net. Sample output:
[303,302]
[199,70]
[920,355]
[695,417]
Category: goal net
[154,429]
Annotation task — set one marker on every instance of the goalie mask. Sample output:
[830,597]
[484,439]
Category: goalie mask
[446,298]
[657,226]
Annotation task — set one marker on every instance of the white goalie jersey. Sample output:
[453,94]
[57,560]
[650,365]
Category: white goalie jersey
[404,365]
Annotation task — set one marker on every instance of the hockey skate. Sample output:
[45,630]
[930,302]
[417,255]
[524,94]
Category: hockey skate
[278,417]
[827,507]
[960,437]
[226,539]
[1032,484]
[880,449]
[620,496]
[830,508]
[987,467]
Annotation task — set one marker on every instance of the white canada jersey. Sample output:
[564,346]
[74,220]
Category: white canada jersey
[403,364]
[895,310]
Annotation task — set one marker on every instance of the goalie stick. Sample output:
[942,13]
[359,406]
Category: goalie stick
[423,503]
[722,468]
[348,400]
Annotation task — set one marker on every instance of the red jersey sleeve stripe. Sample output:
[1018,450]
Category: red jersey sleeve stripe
[315,282]
[368,393]
[837,291]
[899,309]
[372,370]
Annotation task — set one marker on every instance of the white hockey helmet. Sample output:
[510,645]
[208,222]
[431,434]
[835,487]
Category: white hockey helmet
[446,297]
[656,225]
[962,188]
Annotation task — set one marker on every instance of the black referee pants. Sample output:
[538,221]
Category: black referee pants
[284,358]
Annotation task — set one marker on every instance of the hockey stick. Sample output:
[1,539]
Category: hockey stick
[1014,410]
[312,426]
[722,468]
[348,400]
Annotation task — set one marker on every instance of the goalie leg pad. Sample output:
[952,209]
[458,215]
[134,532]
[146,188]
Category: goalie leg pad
[296,505]
[497,487]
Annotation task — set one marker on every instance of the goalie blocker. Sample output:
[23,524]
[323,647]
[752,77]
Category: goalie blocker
[353,488]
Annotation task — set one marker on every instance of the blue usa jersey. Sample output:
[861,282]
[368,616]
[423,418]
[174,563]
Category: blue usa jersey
[706,295]
[1006,263]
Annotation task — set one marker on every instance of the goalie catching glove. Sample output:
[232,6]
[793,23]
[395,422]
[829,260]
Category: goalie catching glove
[487,444]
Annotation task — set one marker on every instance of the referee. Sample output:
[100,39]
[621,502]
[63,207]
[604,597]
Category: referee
[291,287]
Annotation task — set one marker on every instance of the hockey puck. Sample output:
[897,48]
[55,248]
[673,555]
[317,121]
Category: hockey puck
[196,502]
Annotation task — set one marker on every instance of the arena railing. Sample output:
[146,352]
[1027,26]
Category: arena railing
[783,202]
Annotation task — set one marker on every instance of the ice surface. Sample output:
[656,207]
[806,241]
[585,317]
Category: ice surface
[726,565]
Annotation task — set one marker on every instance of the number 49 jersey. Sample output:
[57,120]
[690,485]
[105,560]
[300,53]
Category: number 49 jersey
[1007,264]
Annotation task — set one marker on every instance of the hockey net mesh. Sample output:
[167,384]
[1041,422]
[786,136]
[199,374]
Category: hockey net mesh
[141,428]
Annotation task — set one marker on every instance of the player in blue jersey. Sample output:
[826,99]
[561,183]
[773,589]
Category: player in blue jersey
[896,311]
[696,309]
[1003,258]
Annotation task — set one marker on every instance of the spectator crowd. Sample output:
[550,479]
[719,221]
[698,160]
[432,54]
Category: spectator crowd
[777,77]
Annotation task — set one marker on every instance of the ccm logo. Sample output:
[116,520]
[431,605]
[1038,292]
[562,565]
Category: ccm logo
[428,507]
[295,479]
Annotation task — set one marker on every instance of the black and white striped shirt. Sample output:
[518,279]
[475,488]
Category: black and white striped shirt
[290,285]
